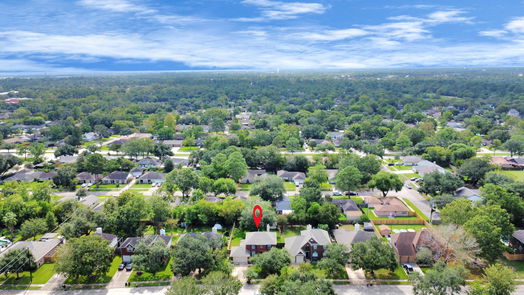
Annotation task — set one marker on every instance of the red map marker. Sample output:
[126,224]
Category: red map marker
[257,216]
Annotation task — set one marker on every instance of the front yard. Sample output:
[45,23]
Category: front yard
[40,276]
[385,274]
[290,186]
[164,275]
[516,175]
[98,280]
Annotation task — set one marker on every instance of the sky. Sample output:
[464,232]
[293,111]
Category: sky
[59,36]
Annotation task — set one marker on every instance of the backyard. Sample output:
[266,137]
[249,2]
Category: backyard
[371,215]
[516,175]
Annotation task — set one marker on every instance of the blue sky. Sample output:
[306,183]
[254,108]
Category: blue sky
[147,35]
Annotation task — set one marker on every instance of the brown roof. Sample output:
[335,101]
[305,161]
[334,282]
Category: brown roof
[372,200]
[384,229]
[391,208]
[404,243]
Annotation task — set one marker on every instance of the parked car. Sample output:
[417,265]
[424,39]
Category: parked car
[408,267]
[413,178]
[409,186]
[121,266]
[391,164]
[129,267]
[337,193]
[351,193]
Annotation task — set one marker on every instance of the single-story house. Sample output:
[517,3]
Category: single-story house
[90,136]
[516,241]
[332,174]
[411,160]
[43,251]
[514,113]
[253,175]
[283,205]
[424,167]
[136,172]
[458,126]
[309,246]
[127,248]
[508,163]
[86,177]
[116,177]
[349,208]
[173,143]
[371,202]
[391,207]
[293,176]
[254,243]
[112,240]
[183,162]
[349,237]
[17,139]
[151,178]
[407,244]
[26,175]
[149,163]
[471,194]
[67,159]
[335,135]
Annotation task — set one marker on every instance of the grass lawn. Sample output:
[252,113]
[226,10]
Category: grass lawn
[105,279]
[290,186]
[144,185]
[415,208]
[326,187]
[403,167]
[164,275]
[187,148]
[425,269]
[245,187]
[291,231]
[348,226]
[357,199]
[372,215]
[411,175]
[516,175]
[517,265]
[40,276]
[384,274]
[416,227]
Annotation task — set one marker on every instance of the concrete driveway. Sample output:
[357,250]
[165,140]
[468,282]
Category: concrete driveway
[239,271]
[119,279]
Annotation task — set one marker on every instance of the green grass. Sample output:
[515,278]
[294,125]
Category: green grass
[290,186]
[372,215]
[357,199]
[40,276]
[188,148]
[384,274]
[416,209]
[326,187]
[138,185]
[518,266]
[164,275]
[245,187]
[342,217]
[416,227]
[117,260]
[292,231]
[516,175]
[348,226]
[411,175]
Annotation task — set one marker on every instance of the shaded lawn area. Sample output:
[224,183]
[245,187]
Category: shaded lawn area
[516,175]
[143,185]
[105,279]
[385,274]
[415,208]
[357,199]
[292,231]
[164,275]
[40,276]
[518,266]
[372,215]
[290,186]
[403,167]
[326,187]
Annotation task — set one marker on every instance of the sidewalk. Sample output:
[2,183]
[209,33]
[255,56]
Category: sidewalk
[54,282]
[356,277]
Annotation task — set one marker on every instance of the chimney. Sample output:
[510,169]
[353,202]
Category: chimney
[162,232]
[268,227]
[98,230]
[357,226]
[309,227]
[214,230]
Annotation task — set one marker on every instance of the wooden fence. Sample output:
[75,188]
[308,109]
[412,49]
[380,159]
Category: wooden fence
[397,221]
[510,256]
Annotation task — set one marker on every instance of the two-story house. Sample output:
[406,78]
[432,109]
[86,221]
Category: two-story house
[309,246]
[254,243]
[127,248]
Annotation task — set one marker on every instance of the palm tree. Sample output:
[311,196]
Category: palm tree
[10,221]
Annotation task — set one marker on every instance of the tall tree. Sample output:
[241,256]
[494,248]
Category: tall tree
[84,256]
[348,178]
[384,182]
[151,255]
[372,255]
[441,280]
[498,279]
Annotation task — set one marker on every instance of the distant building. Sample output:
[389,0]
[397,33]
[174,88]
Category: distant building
[349,237]
[292,176]
[127,248]
[42,251]
[283,205]
[309,246]
[152,178]
[116,177]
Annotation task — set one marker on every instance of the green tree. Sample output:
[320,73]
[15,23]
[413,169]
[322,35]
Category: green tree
[269,188]
[458,212]
[183,179]
[271,262]
[328,214]
[513,204]
[220,283]
[438,154]
[37,150]
[224,186]
[185,286]
[515,146]
[84,256]
[384,182]
[151,255]
[318,173]
[441,280]
[17,261]
[372,255]
[9,219]
[160,210]
[348,178]
[487,235]
[168,165]
[65,150]
[293,144]
[127,213]
[246,218]
[474,169]
[65,177]
[192,253]
[440,183]
[498,279]
[335,258]
[32,227]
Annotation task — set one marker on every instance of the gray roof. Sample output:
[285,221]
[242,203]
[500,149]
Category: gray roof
[117,175]
[291,174]
[39,249]
[261,238]
[411,159]
[134,240]
[239,251]
[348,237]
[152,175]
[149,161]
[85,176]
[345,204]
[67,159]
[294,244]
[519,235]
[465,192]
[283,204]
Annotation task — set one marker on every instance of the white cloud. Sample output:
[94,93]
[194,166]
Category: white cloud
[332,35]
[278,10]
[448,16]
[516,25]
[493,33]
[115,5]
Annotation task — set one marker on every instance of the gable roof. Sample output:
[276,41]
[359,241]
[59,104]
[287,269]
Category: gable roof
[519,235]
[294,244]
[291,174]
[117,175]
[261,238]
[283,204]
[39,249]
[152,176]
[348,237]
[345,204]
[85,176]
[132,241]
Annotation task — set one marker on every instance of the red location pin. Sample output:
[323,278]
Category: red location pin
[257,216]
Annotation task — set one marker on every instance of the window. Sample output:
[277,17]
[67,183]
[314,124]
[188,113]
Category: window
[315,247]
[253,247]
[315,254]
[269,246]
